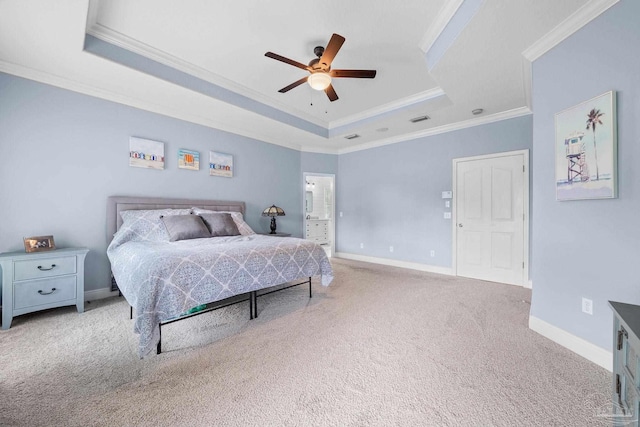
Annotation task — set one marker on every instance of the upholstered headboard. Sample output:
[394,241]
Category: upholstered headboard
[117,204]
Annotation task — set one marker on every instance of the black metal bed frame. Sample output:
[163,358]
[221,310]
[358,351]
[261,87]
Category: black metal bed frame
[253,307]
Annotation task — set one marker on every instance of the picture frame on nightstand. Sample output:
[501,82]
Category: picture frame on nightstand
[39,243]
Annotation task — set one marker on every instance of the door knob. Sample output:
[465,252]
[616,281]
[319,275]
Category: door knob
[460,225]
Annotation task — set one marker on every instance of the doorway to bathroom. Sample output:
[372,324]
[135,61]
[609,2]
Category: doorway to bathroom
[319,209]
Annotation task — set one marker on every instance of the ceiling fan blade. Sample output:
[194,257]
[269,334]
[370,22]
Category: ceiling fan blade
[358,74]
[331,93]
[331,50]
[294,84]
[287,60]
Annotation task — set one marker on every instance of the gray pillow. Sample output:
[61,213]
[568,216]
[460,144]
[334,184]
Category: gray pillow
[220,224]
[183,227]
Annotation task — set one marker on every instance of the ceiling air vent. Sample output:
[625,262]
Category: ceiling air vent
[352,136]
[419,119]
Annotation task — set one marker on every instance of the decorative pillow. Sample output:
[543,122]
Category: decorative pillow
[184,227]
[147,225]
[243,227]
[220,224]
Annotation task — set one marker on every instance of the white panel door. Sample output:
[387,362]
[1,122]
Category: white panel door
[490,219]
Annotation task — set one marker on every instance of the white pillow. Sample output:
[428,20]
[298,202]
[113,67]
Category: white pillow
[147,225]
[243,227]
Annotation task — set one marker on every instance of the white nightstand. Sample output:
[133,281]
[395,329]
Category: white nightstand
[40,280]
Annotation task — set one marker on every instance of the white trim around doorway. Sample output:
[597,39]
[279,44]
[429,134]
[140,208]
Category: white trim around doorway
[525,154]
[333,205]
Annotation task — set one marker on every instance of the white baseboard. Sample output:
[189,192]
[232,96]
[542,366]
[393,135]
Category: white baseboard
[395,263]
[99,294]
[589,351]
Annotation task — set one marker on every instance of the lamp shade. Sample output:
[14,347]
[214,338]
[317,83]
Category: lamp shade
[273,210]
[319,80]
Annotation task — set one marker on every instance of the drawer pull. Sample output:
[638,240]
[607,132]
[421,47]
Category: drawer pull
[46,269]
[47,293]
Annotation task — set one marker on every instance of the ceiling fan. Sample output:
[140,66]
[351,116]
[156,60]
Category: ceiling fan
[320,68]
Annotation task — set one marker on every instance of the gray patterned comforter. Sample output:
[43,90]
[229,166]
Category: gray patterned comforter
[162,280]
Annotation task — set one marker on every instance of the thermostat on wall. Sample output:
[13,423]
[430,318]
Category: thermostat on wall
[447,194]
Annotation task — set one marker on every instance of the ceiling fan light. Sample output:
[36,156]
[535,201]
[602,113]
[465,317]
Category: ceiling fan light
[319,81]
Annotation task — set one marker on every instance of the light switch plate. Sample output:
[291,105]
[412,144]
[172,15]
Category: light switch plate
[447,195]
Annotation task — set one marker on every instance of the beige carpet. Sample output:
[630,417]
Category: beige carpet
[381,346]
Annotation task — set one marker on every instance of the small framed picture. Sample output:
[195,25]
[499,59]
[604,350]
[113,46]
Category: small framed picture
[220,164]
[189,159]
[39,243]
[146,153]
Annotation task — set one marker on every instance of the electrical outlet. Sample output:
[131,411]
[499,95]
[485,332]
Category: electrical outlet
[390,248]
[447,204]
[587,306]
[447,215]
[361,245]
[432,253]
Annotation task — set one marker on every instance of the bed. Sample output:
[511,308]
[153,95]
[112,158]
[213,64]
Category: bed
[164,281]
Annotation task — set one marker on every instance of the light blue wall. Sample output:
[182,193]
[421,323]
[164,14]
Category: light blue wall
[319,163]
[69,152]
[392,195]
[62,154]
[588,248]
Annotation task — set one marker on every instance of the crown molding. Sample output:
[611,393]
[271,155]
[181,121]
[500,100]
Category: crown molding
[440,22]
[504,115]
[74,86]
[120,40]
[426,95]
[566,28]
[527,82]
[557,35]
[92,14]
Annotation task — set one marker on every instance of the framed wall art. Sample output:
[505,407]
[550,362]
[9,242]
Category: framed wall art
[586,150]
[220,164]
[188,159]
[146,153]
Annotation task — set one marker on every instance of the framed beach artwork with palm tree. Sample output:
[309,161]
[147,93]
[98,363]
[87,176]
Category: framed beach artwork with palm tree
[586,150]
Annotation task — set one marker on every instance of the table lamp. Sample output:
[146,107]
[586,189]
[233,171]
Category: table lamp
[273,211]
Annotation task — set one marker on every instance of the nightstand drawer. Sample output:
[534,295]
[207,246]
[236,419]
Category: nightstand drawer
[46,291]
[37,268]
